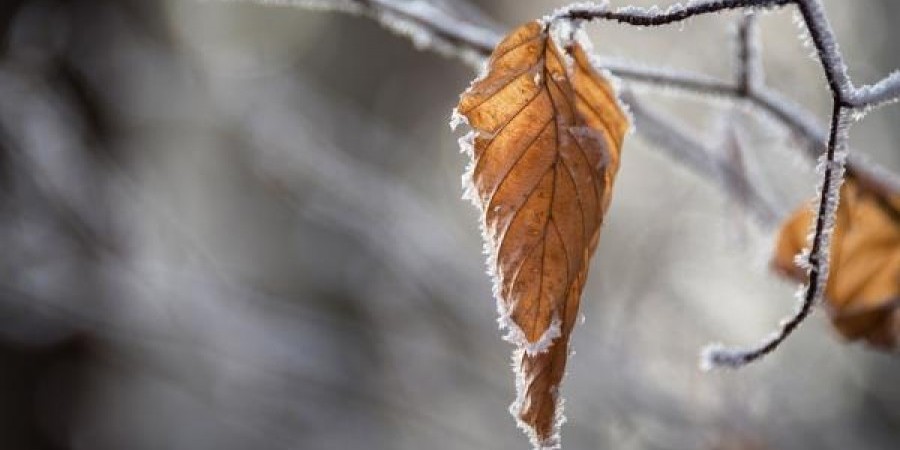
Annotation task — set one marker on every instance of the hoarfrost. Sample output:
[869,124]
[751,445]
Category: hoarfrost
[562,33]
[801,260]
[883,92]
[456,119]
[827,48]
[516,336]
[467,146]
[587,7]
[802,31]
[829,194]
[710,356]
[654,11]
[859,114]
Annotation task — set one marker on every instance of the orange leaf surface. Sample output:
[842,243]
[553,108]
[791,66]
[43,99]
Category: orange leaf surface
[864,275]
[545,147]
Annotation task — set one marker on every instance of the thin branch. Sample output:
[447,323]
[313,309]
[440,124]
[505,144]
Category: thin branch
[653,16]
[818,259]
[883,92]
[826,47]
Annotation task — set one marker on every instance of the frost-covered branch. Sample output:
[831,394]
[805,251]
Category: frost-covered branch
[816,261]
[654,15]
[885,91]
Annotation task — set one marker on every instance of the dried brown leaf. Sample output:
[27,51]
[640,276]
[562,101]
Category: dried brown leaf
[545,147]
[863,290]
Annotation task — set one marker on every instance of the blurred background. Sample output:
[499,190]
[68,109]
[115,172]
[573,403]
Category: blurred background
[233,226]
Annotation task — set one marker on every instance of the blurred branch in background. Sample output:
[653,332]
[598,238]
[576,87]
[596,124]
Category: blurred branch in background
[703,160]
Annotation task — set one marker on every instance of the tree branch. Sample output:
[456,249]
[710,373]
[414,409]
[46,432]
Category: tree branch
[653,16]
[817,260]
[883,92]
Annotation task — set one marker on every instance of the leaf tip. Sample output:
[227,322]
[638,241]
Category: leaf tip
[551,441]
